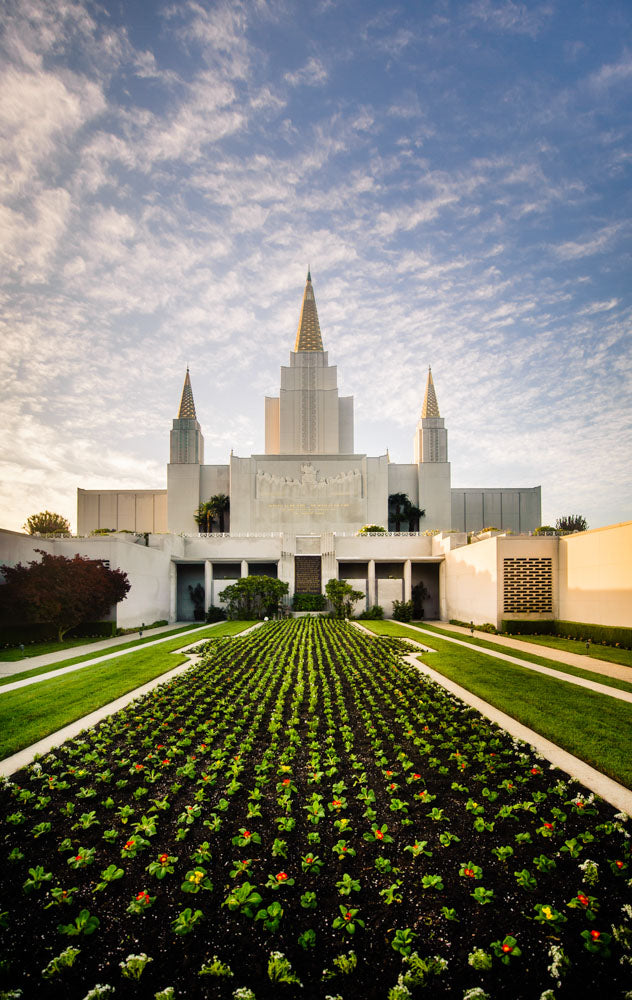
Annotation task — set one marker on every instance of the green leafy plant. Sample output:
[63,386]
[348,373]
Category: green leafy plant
[84,924]
[134,965]
[65,960]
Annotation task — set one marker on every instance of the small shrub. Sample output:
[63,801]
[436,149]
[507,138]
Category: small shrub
[373,613]
[403,611]
[308,602]
[214,614]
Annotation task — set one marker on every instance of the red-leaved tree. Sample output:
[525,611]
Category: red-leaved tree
[60,591]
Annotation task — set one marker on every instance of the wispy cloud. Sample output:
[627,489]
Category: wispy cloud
[312,74]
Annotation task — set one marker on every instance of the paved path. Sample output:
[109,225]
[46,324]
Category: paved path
[13,685]
[8,667]
[582,660]
[18,760]
[549,671]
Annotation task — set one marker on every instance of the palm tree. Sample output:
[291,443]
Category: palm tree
[220,505]
[204,516]
[413,514]
[398,504]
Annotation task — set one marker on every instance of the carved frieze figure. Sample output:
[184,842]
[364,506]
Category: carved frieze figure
[347,483]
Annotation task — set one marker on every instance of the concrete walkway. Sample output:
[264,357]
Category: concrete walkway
[8,667]
[27,681]
[612,692]
[581,660]
[18,760]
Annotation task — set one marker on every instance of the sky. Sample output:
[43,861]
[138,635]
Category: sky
[456,175]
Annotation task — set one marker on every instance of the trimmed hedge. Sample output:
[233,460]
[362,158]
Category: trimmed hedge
[608,635]
[308,602]
[14,635]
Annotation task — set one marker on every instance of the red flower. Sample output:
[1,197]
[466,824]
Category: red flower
[163,858]
[619,864]
[468,872]
[285,781]
[379,835]
[416,776]
[79,857]
[138,767]
[548,826]
[247,834]
[595,935]
[308,859]
[336,803]
[282,877]
[507,947]
[348,915]
[583,899]
[129,844]
[392,786]
[143,897]
[535,770]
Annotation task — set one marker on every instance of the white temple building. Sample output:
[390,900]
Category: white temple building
[310,479]
[295,513]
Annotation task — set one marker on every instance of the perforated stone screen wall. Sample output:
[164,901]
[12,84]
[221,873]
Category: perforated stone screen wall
[528,585]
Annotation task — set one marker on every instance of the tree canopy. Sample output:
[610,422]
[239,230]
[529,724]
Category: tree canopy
[60,591]
[571,522]
[254,597]
[47,523]
[342,597]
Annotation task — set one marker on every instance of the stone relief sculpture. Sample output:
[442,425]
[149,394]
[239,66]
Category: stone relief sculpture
[347,483]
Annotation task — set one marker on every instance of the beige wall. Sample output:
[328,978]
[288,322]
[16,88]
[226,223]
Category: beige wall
[471,583]
[123,510]
[596,576]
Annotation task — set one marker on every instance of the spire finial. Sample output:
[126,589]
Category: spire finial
[187,406]
[308,337]
[430,407]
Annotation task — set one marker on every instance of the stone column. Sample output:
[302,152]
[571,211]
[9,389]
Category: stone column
[408,580]
[173,592]
[208,583]
[371,588]
[244,568]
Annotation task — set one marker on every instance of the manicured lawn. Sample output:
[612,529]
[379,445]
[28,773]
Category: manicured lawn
[34,671]
[591,726]
[31,713]
[563,668]
[13,653]
[597,651]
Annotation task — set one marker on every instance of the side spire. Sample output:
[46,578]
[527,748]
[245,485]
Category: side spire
[187,406]
[430,407]
[308,336]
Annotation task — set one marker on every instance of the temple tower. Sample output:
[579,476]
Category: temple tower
[308,417]
[431,457]
[185,463]
[431,437]
[187,442]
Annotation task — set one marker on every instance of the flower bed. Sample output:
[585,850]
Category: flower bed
[304,807]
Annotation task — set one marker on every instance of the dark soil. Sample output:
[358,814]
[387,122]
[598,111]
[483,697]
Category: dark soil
[316,703]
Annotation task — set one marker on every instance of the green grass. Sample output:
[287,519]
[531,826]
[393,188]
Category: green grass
[610,653]
[31,713]
[85,657]
[39,648]
[591,726]
[562,668]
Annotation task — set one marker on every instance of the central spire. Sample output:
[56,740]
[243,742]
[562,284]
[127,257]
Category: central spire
[308,336]
[430,407]
[187,406]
